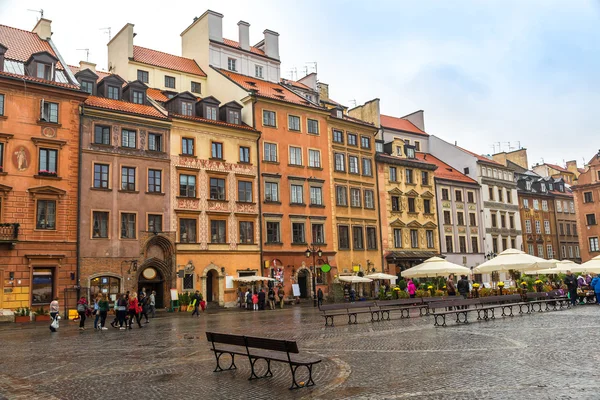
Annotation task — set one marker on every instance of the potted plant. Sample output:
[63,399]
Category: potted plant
[41,315]
[476,290]
[500,287]
[22,315]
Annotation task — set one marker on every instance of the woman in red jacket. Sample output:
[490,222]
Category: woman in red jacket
[134,310]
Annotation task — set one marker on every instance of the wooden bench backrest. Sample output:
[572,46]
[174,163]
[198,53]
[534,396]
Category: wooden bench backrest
[426,300]
[329,307]
[225,338]
[501,299]
[533,295]
[555,293]
[272,344]
[399,302]
[454,303]
[361,304]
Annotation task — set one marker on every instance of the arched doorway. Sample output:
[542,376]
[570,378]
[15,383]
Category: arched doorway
[212,286]
[303,283]
[152,279]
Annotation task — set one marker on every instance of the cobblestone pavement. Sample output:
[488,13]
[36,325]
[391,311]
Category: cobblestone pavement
[550,355]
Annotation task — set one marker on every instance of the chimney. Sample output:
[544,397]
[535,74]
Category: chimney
[43,28]
[323,90]
[87,65]
[215,26]
[244,29]
[417,118]
[271,44]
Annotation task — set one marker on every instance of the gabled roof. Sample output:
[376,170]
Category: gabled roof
[481,158]
[213,122]
[156,94]
[445,171]
[124,106]
[400,124]
[558,168]
[234,44]
[165,60]
[101,74]
[266,89]
[296,84]
[38,80]
[22,44]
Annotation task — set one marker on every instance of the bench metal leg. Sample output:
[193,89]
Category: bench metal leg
[253,375]
[504,308]
[327,318]
[373,314]
[421,311]
[295,384]
[387,315]
[521,308]
[350,319]
[465,320]
[404,313]
[436,323]
[218,368]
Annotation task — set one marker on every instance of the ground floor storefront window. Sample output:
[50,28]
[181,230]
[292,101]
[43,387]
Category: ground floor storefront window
[105,284]
[42,287]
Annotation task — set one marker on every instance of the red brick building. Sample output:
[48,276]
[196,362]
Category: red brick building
[586,194]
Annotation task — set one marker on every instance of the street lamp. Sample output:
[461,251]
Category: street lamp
[314,251]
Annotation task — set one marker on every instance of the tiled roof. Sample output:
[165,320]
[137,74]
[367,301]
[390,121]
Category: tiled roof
[101,74]
[565,193]
[581,170]
[400,124]
[444,171]
[299,85]
[270,90]
[233,43]
[558,168]
[38,80]
[22,44]
[124,106]
[213,122]
[481,158]
[156,94]
[165,60]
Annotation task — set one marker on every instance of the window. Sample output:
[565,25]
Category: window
[365,142]
[128,179]
[341,195]
[313,126]
[344,237]
[142,76]
[101,176]
[371,238]
[503,220]
[447,218]
[231,64]
[530,249]
[352,139]
[155,142]
[559,206]
[449,244]
[547,227]
[495,244]
[154,181]
[154,223]
[245,192]
[369,203]
[574,230]
[48,160]
[472,219]
[474,244]
[594,244]
[544,205]
[233,117]
[367,167]
[271,191]
[565,206]
[568,229]
[526,203]
[417,145]
[44,71]
[462,244]
[424,178]
[295,156]
[338,136]
[590,219]
[216,150]
[410,152]
[246,232]
[218,231]
[314,158]
[293,123]
[398,238]
[395,203]
[1,104]
[570,251]
[414,238]
[187,185]
[196,87]
[298,233]
[491,193]
[268,118]
[445,194]
[270,152]
[46,215]
[86,86]
[399,151]
[577,251]
[470,197]
[536,204]
[540,250]
[511,221]
[340,162]
[494,222]
[113,92]
[430,240]
[128,138]
[210,112]
[49,112]
[426,206]
[357,238]
[460,218]
[500,193]
[572,207]
[527,226]
[169,82]
[42,286]
[187,230]
[217,189]
[244,154]
[296,194]
[538,227]
[393,174]
[409,176]
[588,197]
[138,97]
[561,228]
[273,232]
[550,251]
[316,195]
[353,164]
[187,108]
[188,281]
[128,226]
[99,224]
[458,195]
[508,196]
[355,197]
[504,244]
[411,205]
[543,187]
[187,146]
[318,234]
[258,71]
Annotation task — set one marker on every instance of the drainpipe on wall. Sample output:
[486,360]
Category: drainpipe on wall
[79,162]
[258,189]
[379,212]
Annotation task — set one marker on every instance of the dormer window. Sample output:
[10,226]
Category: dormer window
[399,151]
[410,151]
[233,117]
[543,187]
[113,92]
[339,113]
[44,71]
[187,108]
[561,188]
[210,112]
[528,185]
[87,86]
[138,97]
[551,186]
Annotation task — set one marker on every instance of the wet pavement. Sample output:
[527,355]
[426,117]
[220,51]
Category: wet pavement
[550,355]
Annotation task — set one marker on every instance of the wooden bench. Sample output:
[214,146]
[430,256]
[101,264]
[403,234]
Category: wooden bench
[556,298]
[462,308]
[505,303]
[351,310]
[255,349]
[403,305]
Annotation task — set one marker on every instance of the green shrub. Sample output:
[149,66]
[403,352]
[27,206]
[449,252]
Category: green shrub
[403,295]
[402,284]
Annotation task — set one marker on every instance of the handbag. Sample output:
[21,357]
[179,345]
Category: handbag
[54,325]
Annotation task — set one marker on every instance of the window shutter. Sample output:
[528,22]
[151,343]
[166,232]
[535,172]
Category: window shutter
[52,72]
[42,110]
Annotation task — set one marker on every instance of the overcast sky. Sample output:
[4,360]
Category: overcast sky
[484,71]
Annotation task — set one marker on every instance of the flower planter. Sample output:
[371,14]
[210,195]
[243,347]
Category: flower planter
[39,318]
[22,318]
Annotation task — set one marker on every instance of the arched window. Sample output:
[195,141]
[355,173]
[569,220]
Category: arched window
[105,284]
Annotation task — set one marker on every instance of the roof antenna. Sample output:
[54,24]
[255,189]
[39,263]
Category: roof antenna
[107,30]
[87,53]
[314,64]
[352,101]
[41,11]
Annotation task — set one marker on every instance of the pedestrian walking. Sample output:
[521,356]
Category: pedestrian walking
[144,307]
[450,285]
[82,309]
[152,304]
[115,320]
[261,299]
[255,301]
[280,295]
[122,303]
[411,289]
[320,297]
[196,303]
[248,300]
[571,283]
[271,297]
[463,286]
[54,311]
[95,313]
[103,308]
[595,284]
[352,295]
[134,310]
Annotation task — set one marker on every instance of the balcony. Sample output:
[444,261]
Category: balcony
[9,232]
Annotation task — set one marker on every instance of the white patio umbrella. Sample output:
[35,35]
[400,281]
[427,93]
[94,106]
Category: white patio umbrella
[513,259]
[354,279]
[381,276]
[435,266]
[592,265]
[561,267]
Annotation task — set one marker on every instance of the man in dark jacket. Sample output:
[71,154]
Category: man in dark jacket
[463,286]
[571,283]
[261,300]
[196,301]
[320,297]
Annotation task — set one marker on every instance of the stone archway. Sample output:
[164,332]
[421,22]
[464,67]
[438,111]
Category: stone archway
[158,253]
[308,284]
[213,279]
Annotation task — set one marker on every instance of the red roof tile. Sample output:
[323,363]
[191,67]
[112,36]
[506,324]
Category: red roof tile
[400,124]
[38,80]
[558,168]
[213,122]
[270,90]
[299,85]
[481,158]
[22,44]
[101,74]
[165,60]
[444,171]
[124,106]
[156,94]
[233,43]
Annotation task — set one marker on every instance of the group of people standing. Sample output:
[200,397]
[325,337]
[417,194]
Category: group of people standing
[462,287]
[257,300]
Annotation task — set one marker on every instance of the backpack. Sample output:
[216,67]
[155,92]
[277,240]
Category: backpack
[80,307]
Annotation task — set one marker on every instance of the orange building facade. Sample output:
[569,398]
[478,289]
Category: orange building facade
[586,194]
